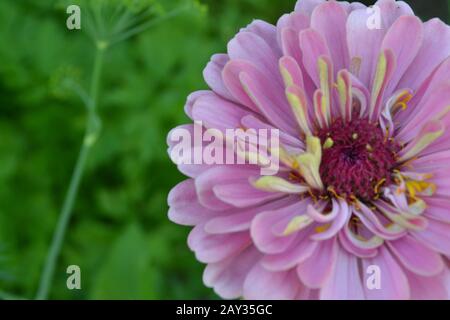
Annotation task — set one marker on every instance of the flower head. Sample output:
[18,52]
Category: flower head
[360,208]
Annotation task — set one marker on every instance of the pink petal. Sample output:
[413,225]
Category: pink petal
[373,222]
[379,93]
[417,257]
[218,113]
[438,209]
[329,19]
[270,101]
[186,162]
[293,144]
[307,6]
[315,270]
[427,288]
[430,133]
[289,26]
[242,194]
[434,50]
[307,294]
[313,46]
[432,162]
[266,31]
[435,236]
[261,229]
[391,10]
[219,175]
[261,284]
[184,206]
[344,282]
[363,44]
[404,38]
[294,22]
[192,98]
[237,220]
[251,47]
[211,248]
[227,277]
[434,104]
[213,75]
[353,244]
[291,66]
[428,87]
[248,84]
[337,224]
[393,281]
[299,250]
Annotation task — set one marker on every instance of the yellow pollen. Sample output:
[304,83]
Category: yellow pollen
[414,187]
[328,143]
[334,193]
[322,228]
[403,103]
[355,202]
[379,184]
[313,196]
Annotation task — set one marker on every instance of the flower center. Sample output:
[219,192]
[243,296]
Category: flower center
[357,159]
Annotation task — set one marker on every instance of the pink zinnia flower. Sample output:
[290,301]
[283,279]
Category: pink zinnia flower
[364,184]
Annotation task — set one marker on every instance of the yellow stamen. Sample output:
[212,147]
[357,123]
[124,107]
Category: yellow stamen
[402,103]
[379,184]
[323,228]
[328,143]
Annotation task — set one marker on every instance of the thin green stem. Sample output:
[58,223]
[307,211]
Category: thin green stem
[143,27]
[91,133]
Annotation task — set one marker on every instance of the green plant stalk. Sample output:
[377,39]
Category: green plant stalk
[91,133]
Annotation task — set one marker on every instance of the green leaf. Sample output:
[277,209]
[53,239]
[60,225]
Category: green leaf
[126,273]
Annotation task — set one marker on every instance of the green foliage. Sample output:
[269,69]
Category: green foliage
[119,235]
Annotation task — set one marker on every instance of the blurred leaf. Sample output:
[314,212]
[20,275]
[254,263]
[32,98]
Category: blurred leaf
[125,272]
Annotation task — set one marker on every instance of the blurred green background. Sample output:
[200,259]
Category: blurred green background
[119,234]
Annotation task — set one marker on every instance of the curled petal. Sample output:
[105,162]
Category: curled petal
[296,224]
[359,246]
[300,250]
[277,184]
[329,231]
[372,222]
[402,218]
[262,227]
